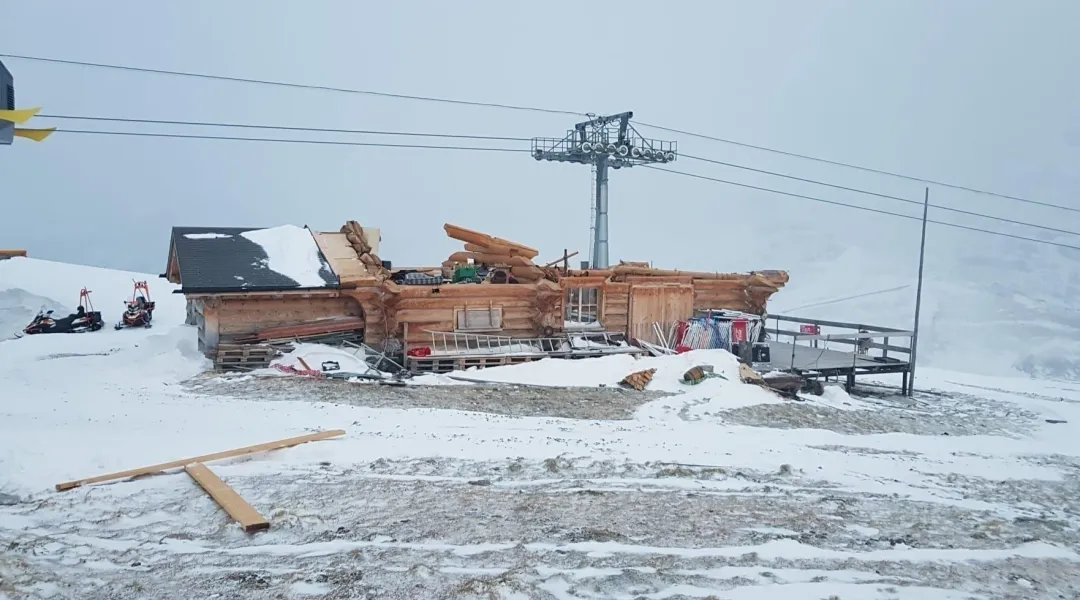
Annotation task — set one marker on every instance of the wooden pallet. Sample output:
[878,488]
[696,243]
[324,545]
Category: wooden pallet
[244,357]
[447,364]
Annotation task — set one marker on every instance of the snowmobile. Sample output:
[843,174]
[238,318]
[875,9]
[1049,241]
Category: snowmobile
[140,309]
[80,321]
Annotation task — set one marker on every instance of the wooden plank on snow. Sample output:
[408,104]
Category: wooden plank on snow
[227,498]
[176,464]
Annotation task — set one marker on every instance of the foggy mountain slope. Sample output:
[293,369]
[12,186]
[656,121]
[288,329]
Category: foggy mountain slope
[987,308]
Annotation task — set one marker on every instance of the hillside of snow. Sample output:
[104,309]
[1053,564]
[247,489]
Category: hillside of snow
[544,481]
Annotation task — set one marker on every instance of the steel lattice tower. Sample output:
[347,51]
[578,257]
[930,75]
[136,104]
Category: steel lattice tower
[604,142]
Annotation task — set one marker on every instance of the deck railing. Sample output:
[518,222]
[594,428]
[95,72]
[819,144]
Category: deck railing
[862,339]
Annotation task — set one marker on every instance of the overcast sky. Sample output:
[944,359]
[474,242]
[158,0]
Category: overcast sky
[977,93]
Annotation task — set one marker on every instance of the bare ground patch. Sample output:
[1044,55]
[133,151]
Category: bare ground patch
[444,528]
[523,401]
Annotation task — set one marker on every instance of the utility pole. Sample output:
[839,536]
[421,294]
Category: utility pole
[603,142]
[918,295]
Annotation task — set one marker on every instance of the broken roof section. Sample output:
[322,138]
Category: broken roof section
[247,259]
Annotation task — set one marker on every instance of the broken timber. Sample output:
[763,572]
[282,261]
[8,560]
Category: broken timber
[176,464]
[227,498]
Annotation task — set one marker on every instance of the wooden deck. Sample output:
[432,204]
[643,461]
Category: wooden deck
[825,362]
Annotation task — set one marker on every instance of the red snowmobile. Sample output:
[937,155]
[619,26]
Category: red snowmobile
[80,321]
[140,309]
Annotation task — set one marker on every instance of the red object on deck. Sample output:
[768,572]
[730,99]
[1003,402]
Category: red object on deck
[739,331]
[419,352]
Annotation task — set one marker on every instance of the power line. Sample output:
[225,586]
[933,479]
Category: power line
[879,195]
[286,128]
[529,109]
[288,141]
[493,149]
[845,298]
[863,208]
[289,84]
[525,139]
[858,167]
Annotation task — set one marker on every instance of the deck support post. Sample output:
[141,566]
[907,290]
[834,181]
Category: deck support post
[850,383]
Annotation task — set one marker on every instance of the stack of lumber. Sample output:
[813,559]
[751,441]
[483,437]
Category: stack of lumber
[354,233]
[485,249]
[306,330]
[639,380]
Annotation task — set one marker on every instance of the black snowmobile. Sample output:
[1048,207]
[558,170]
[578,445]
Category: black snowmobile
[80,321]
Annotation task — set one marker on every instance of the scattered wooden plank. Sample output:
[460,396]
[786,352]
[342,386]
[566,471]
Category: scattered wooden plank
[227,498]
[176,464]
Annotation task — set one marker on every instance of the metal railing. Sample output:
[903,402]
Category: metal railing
[864,338]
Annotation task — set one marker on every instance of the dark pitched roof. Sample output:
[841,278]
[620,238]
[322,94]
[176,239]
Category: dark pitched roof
[219,259]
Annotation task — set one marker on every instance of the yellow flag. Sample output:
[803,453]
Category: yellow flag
[19,117]
[34,134]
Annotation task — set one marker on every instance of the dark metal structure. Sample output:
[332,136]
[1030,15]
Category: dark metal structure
[827,349]
[7,102]
[604,142]
[7,89]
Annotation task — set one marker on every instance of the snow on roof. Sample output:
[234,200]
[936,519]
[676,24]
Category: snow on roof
[292,252]
[206,236]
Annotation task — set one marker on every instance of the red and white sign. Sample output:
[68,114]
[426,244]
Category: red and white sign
[739,331]
[810,329]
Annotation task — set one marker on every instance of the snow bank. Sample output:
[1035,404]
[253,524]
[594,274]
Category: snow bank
[292,252]
[607,371]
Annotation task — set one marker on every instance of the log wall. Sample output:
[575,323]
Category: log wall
[527,309]
[405,312]
[222,318]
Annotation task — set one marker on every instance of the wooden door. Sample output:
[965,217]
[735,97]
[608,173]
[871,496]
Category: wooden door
[661,304]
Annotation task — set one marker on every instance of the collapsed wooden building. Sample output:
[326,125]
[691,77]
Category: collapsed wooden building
[491,299]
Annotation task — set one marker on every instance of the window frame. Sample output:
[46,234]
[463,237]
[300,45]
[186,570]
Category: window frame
[587,301]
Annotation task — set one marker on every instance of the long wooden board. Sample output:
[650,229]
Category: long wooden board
[176,464]
[227,498]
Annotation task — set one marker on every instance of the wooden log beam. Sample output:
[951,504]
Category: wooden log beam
[490,259]
[227,498]
[483,239]
[494,249]
[558,260]
[632,270]
[176,464]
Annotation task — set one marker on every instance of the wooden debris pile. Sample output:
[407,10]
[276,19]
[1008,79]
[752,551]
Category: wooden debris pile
[225,496]
[354,233]
[786,384]
[639,380]
[482,249]
[322,330]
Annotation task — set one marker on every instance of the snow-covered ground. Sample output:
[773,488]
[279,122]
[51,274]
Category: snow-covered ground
[551,483]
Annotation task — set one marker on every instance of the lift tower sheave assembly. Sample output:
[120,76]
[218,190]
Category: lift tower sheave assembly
[10,116]
[606,141]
